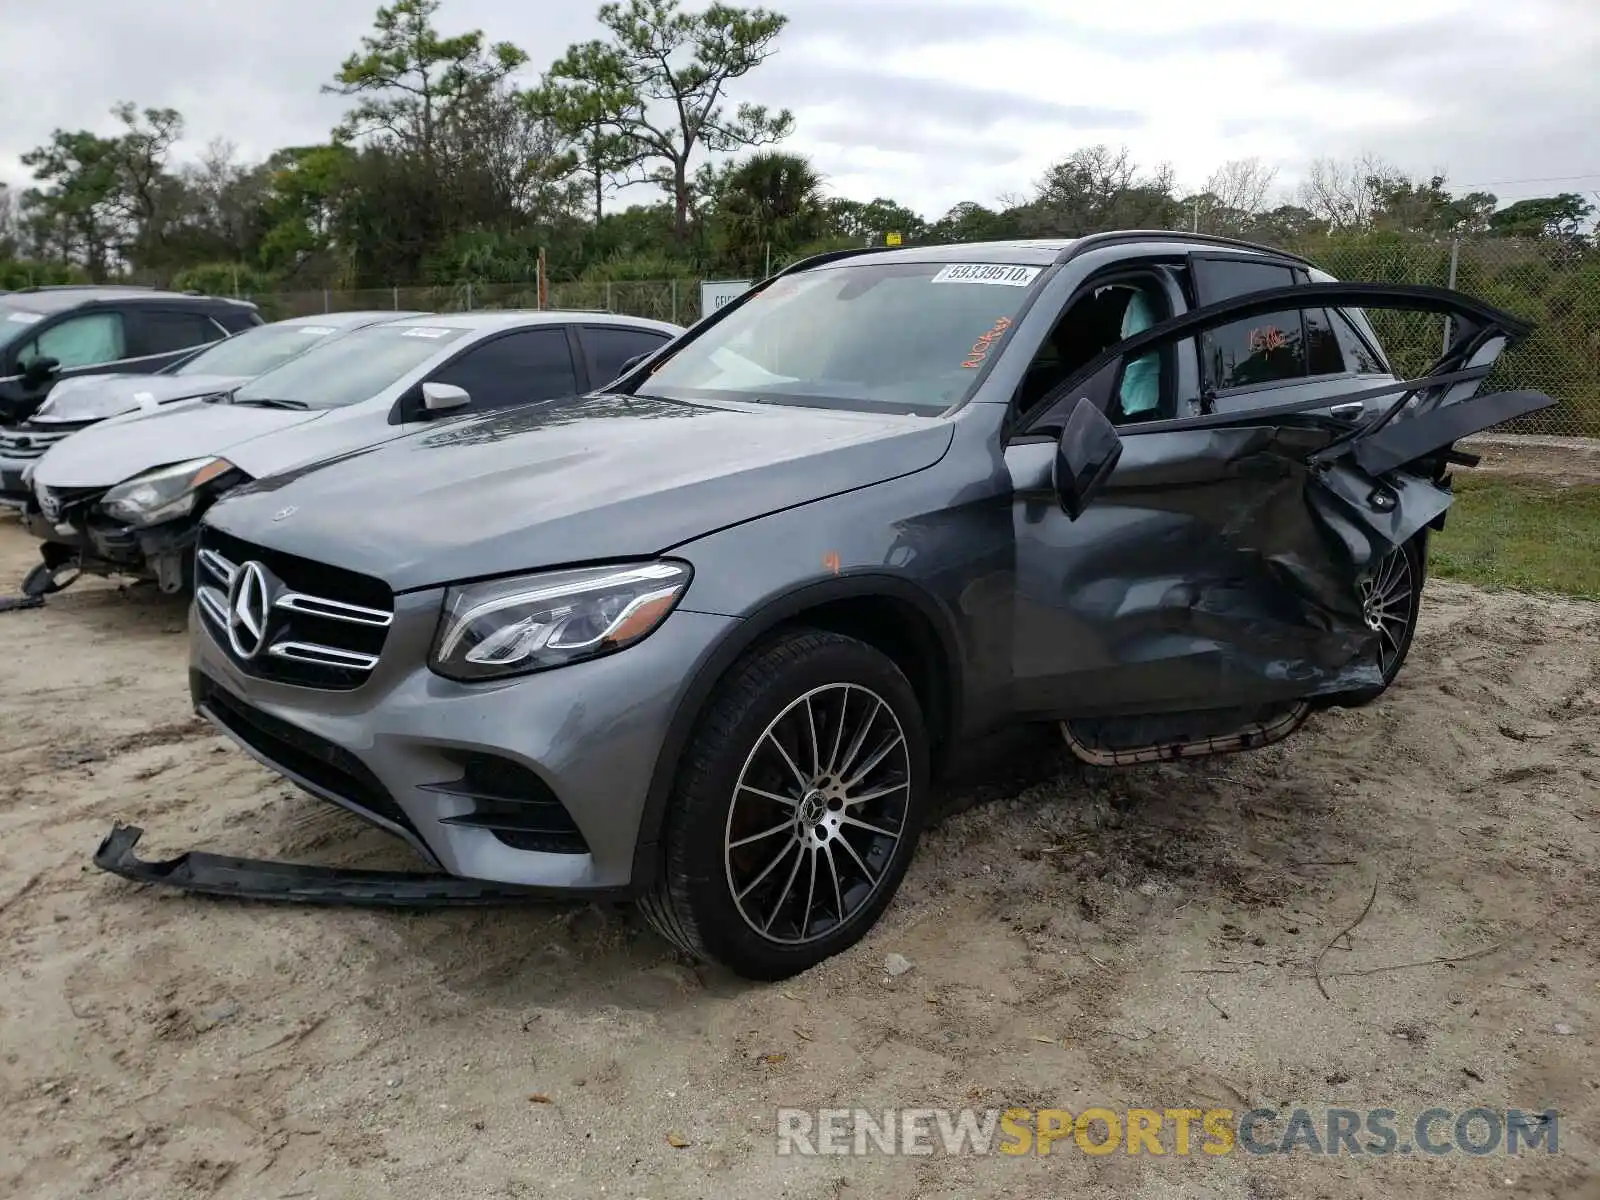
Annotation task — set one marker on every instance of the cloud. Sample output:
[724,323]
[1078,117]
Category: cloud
[951,105]
[927,101]
[840,137]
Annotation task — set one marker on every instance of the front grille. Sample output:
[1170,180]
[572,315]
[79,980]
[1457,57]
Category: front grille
[294,621]
[512,803]
[70,505]
[316,760]
[31,441]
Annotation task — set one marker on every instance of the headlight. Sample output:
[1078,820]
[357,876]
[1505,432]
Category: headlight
[163,494]
[530,623]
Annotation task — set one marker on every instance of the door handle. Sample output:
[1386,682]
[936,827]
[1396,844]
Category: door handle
[1348,412]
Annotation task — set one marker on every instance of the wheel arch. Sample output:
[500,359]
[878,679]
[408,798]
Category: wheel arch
[887,612]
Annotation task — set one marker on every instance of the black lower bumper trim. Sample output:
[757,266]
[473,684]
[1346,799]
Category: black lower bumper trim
[261,879]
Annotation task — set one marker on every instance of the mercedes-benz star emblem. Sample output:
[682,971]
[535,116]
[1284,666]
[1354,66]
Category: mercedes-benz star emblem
[249,604]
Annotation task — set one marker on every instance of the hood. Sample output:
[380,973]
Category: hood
[121,447]
[590,478]
[96,397]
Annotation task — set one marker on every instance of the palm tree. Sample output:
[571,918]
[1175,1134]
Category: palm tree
[767,205]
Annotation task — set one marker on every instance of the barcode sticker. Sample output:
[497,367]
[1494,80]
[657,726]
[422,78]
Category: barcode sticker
[992,273]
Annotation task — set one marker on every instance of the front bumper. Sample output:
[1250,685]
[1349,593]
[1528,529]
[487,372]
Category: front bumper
[400,749]
[159,553]
[62,533]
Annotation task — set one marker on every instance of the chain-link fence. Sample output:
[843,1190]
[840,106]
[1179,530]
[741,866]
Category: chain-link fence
[1555,285]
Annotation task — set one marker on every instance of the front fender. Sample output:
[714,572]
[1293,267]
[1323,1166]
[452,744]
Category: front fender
[786,608]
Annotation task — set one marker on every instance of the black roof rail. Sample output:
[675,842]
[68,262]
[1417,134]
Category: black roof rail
[1118,237]
[827,256]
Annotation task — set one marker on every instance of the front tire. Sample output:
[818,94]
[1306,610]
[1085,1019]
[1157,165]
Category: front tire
[797,809]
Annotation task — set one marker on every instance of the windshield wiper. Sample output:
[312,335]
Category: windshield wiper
[267,402]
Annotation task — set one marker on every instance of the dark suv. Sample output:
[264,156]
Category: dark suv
[53,333]
[705,636]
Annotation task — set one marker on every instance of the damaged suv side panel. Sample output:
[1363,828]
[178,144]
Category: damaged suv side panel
[1220,565]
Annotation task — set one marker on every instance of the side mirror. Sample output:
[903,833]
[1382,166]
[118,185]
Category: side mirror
[441,397]
[1085,457]
[40,370]
[631,364]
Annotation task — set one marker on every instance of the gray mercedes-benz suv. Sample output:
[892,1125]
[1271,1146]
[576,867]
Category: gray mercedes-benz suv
[705,636]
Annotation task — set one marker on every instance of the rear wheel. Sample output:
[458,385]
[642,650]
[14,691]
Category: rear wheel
[1391,601]
[798,808]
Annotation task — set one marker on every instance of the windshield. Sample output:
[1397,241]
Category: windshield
[904,337]
[15,323]
[255,351]
[349,369]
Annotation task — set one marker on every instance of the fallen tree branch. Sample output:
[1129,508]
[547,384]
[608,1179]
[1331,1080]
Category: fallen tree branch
[1316,967]
[1425,962]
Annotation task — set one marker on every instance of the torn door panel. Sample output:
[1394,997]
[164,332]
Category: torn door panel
[1226,554]
[1367,516]
[1370,494]
[1198,577]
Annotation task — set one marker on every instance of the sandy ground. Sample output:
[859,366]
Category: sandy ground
[1145,938]
[1565,461]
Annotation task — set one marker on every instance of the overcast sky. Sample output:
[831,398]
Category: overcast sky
[927,101]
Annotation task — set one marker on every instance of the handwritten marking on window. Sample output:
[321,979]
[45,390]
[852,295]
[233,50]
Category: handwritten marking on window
[1267,339]
[980,349]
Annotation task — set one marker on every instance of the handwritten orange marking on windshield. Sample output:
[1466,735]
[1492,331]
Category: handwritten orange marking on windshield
[830,560]
[980,348]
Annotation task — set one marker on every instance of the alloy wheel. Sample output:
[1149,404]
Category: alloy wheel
[818,811]
[1387,600]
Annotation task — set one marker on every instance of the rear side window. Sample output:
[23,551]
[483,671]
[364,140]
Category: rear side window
[1357,352]
[609,346]
[82,341]
[1273,348]
[1223,278]
[166,332]
[533,364]
[1323,356]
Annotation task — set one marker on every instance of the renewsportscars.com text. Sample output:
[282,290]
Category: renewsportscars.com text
[1177,1132]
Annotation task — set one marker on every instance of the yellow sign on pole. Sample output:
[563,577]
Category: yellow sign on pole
[891,239]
